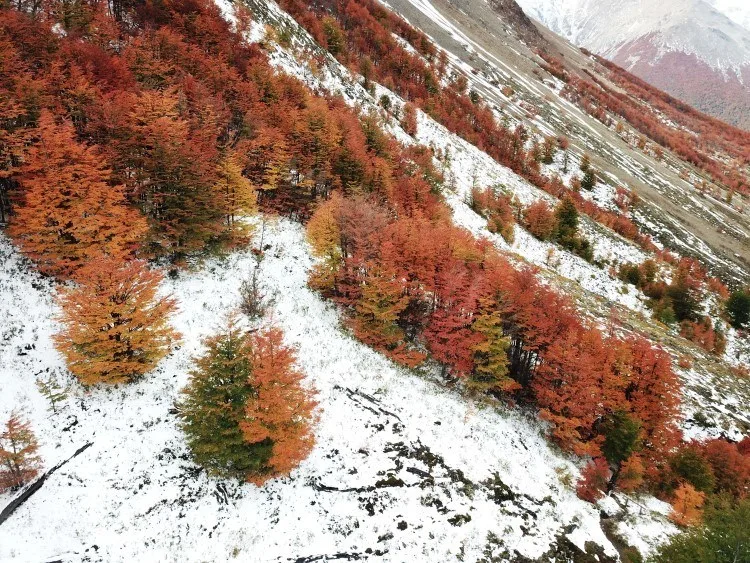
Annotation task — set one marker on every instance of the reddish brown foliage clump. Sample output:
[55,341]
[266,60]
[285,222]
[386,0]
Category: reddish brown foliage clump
[19,462]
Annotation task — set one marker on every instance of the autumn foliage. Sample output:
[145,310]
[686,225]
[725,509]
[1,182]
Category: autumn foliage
[594,478]
[115,324]
[280,410]
[70,214]
[539,218]
[365,31]
[19,461]
[181,122]
[244,411]
[686,505]
[406,280]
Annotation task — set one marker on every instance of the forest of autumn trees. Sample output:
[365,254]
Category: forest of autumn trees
[679,301]
[364,37]
[408,278]
[122,112]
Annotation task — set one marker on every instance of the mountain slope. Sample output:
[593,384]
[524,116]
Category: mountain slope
[407,467]
[736,10]
[391,447]
[692,50]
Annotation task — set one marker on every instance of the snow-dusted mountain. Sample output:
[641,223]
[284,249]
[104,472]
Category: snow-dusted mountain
[736,10]
[697,50]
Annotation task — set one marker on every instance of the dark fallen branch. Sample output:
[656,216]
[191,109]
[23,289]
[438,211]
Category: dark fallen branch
[345,556]
[419,473]
[388,483]
[36,485]
[332,557]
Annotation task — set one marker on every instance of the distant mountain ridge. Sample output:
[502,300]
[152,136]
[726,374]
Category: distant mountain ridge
[697,50]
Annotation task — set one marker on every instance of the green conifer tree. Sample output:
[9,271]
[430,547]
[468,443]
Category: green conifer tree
[738,309]
[621,439]
[213,406]
[589,180]
[567,220]
[690,466]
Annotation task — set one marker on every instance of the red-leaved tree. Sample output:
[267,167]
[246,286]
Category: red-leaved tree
[19,461]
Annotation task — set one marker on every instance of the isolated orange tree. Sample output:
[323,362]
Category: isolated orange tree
[19,462]
[540,220]
[115,326]
[69,213]
[244,412]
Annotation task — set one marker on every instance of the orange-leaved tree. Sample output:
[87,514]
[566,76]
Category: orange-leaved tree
[19,462]
[237,194]
[115,324]
[540,220]
[281,409]
[686,505]
[377,312]
[245,412]
[69,213]
[324,236]
[594,478]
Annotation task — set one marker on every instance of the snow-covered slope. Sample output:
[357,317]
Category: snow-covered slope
[404,468]
[662,42]
[688,26]
[736,10]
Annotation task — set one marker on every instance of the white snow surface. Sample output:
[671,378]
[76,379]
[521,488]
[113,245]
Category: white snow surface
[736,10]
[135,495]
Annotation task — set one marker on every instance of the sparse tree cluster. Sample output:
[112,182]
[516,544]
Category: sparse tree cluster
[152,140]
[600,99]
[559,225]
[369,31]
[497,208]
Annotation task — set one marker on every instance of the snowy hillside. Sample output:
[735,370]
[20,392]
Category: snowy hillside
[658,41]
[688,26]
[403,467]
[408,465]
[736,10]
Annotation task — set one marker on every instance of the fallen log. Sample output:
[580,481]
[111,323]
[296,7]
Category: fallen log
[36,485]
